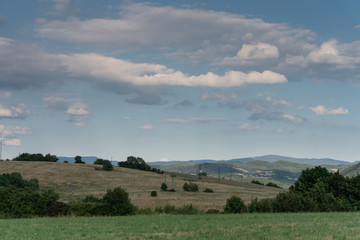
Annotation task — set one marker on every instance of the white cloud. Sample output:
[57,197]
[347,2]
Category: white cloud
[18,111]
[247,126]
[127,118]
[10,131]
[111,69]
[78,109]
[321,110]
[147,127]
[279,116]
[12,142]
[332,53]
[8,134]
[250,53]
[79,114]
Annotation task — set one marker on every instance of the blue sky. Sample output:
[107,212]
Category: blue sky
[180,80]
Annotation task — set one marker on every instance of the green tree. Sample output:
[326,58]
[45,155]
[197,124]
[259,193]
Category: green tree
[79,160]
[118,202]
[309,177]
[107,166]
[234,205]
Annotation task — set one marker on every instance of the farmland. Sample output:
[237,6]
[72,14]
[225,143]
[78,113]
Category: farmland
[219,226]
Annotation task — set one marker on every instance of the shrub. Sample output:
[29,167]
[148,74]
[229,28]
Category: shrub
[118,202]
[234,205]
[270,184]
[153,193]
[164,187]
[212,211]
[144,211]
[208,190]
[187,210]
[257,182]
[190,187]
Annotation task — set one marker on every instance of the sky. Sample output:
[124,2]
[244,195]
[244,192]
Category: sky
[180,80]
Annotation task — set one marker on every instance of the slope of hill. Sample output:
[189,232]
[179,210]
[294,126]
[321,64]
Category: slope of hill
[74,181]
[351,171]
[278,169]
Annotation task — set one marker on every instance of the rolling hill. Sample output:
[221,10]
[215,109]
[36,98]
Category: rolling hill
[278,169]
[73,181]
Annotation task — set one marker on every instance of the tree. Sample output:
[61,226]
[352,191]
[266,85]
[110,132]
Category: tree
[118,202]
[78,160]
[107,166]
[234,205]
[309,177]
[36,157]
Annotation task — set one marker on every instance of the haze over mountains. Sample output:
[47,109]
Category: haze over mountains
[267,158]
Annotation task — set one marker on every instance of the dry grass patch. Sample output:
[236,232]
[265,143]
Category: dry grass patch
[74,181]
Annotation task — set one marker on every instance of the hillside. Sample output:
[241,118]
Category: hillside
[351,171]
[284,171]
[74,181]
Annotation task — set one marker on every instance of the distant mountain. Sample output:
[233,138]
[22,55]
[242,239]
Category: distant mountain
[87,159]
[267,158]
[278,169]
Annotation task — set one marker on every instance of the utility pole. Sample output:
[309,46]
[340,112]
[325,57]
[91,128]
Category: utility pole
[1,149]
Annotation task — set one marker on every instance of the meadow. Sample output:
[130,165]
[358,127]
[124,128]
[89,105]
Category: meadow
[218,226]
[74,181]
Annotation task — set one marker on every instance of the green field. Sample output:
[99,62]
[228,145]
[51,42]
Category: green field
[247,226]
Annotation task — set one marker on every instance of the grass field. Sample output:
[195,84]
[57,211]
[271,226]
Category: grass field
[74,181]
[248,226]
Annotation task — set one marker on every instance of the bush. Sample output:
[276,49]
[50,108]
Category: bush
[270,184]
[118,202]
[257,182]
[153,193]
[187,210]
[81,208]
[191,187]
[212,211]
[235,205]
[164,187]
[208,190]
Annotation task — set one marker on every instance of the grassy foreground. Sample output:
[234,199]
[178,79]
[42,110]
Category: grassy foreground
[247,226]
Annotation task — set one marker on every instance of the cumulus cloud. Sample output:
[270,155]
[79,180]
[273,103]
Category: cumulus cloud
[9,134]
[251,53]
[278,116]
[321,110]
[78,109]
[15,111]
[256,105]
[105,68]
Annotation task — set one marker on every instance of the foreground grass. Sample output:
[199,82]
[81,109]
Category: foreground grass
[247,226]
